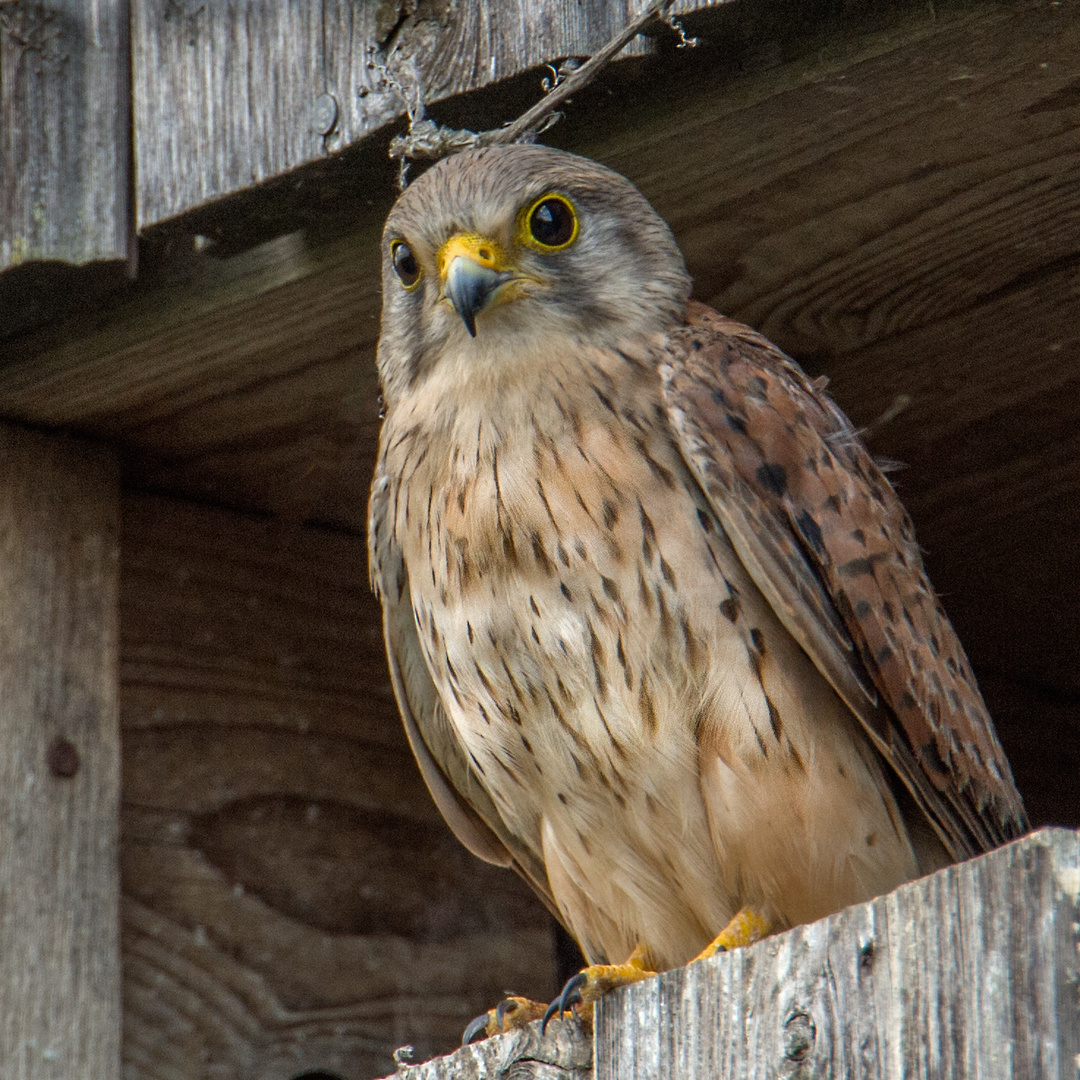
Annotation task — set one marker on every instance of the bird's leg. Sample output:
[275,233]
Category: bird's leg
[593,982]
[747,927]
[511,1013]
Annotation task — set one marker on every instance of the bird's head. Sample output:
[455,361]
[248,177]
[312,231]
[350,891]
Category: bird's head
[493,252]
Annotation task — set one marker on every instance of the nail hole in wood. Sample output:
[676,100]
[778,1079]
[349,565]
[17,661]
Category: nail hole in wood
[62,758]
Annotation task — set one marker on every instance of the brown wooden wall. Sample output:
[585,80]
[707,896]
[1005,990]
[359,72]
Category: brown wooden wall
[291,897]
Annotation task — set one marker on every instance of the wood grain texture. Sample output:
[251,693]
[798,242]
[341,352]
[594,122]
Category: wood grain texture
[564,1053]
[59,936]
[226,95]
[165,380]
[291,898]
[969,973]
[65,122]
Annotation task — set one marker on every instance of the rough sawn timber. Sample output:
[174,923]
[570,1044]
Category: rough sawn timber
[65,123]
[564,1053]
[59,881]
[227,95]
[971,972]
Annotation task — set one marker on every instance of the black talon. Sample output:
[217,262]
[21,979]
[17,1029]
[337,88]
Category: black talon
[500,1012]
[570,996]
[548,1015]
[475,1028]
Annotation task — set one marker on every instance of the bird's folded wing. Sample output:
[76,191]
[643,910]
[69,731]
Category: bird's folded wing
[827,541]
[462,801]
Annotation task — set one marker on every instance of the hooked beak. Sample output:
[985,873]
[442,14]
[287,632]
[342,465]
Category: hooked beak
[471,276]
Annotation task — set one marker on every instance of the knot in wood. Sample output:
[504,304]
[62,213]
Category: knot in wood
[799,1035]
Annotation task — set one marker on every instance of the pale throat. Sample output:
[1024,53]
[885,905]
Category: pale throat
[489,395]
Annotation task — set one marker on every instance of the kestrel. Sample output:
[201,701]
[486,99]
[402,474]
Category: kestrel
[658,627]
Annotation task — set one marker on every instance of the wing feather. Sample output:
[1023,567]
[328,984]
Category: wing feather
[827,541]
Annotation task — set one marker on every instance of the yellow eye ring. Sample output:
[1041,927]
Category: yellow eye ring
[548,224]
[405,265]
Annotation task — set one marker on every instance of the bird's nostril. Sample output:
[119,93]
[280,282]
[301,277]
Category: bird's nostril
[484,253]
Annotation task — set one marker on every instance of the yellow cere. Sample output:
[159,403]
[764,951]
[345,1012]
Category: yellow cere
[473,246]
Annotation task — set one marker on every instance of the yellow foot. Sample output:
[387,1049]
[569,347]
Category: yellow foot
[509,1014]
[592,983]
[746,928]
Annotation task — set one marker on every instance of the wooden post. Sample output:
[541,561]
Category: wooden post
[59,760]
[971,972]
[65,121]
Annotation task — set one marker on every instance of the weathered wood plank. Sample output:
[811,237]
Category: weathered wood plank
[165,380]
[564,1053]
[223,95]
[65,121]
[291,898]
[221,609]
[59,770]
[228,95]
[970,973]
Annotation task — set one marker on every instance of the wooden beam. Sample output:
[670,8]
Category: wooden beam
[292,901]
[968,973]
[227,95]
[65,121]
[59,770]
[164,380]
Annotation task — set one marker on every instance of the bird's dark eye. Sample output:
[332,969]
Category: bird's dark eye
[552,223]
[405,265]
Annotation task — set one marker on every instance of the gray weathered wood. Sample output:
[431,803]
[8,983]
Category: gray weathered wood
[59,881]
[564,1053]
[228,95]
[65,120]
[970,973]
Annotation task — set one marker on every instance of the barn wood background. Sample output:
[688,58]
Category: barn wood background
[890,191]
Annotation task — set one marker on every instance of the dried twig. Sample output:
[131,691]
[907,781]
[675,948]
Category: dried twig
[426,139]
